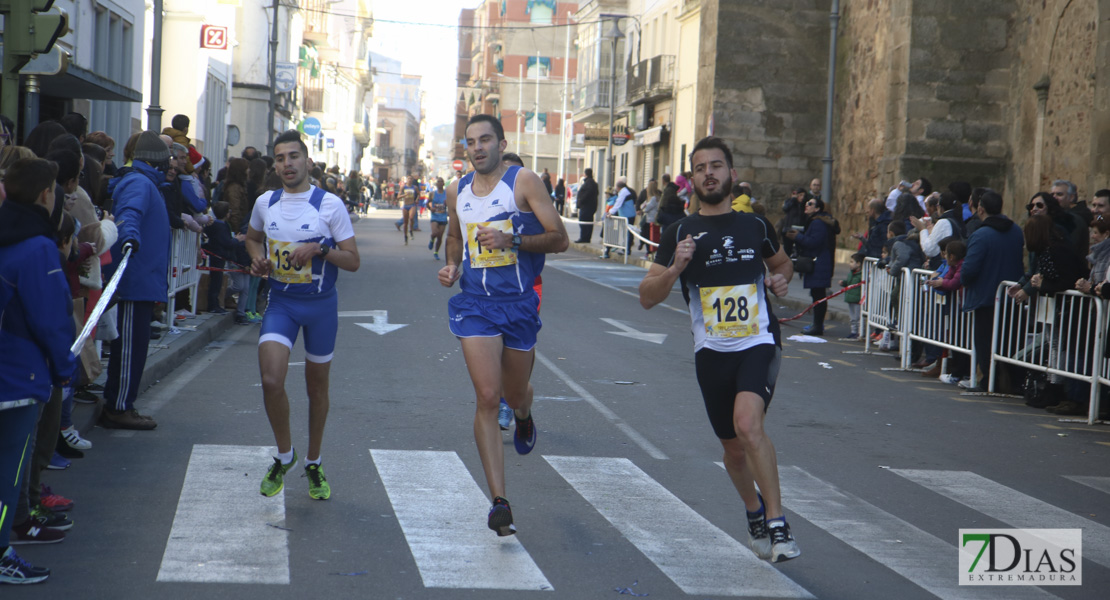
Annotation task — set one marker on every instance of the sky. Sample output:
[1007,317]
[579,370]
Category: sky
[426,42]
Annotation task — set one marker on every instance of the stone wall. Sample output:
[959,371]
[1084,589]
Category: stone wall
[763,74]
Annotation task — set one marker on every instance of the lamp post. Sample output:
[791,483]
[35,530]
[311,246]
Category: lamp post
[827,160]
[615,35]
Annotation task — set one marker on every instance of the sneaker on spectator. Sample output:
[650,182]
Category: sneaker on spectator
[63,449]
[32,532]
[58,462]
[949,378]
[157,325]
[54,502]
[15,570]
[219,310]
[50,519]
[967,385]
[85,395]
[74,439]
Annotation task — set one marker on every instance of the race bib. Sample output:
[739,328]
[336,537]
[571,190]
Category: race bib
[283,270]
[730,311]
[482,257]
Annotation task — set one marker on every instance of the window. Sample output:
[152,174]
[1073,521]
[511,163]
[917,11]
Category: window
[534,125]
[112,51]
[539,67]
[682,159]
[540,11]
[623,172]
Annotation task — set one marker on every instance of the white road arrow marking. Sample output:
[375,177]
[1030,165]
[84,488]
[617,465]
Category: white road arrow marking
[381,324]
[626,331]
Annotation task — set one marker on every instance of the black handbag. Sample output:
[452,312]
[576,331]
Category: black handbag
[804,264]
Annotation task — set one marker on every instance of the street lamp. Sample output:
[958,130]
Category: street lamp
[615,35]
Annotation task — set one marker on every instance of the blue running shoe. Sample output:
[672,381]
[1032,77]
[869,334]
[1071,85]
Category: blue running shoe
[504,416]
[525,437]
[57,462]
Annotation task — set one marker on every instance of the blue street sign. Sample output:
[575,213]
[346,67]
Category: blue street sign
[311,126]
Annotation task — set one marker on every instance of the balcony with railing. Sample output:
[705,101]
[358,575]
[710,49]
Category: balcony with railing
[651,79]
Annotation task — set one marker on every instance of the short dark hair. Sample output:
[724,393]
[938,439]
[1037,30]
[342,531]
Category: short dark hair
[40,137]
[291,136]
[956,247]
[817,202]
[897,227]
[75,123]
[498,128]
[1103,193]
[220,209]
[251,150]
[26,178]
[858,257]
[709,143]
[590,173]
[69,165]
[962,189]
[180,122]
[991,201]
[67,142]
[512,157]
[948,200]
[926,187]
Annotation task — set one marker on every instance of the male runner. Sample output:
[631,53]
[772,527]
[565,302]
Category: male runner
[719,257]
[293,237]
[438,208]
[509,224]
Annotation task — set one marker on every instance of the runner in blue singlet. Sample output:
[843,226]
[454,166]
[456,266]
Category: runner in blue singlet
[438,208]
[502,223]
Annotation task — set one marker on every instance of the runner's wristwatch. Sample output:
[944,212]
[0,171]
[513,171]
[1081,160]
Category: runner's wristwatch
[324,249]
[516,241]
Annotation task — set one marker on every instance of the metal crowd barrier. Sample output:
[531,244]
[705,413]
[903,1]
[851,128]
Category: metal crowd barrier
[183,273]
[1061,334]
[936,318]
[615,234]
[882,304]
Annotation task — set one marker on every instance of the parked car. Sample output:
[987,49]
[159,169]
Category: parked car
[570,208]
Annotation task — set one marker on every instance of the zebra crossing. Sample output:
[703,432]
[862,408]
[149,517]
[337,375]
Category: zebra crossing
[440,508]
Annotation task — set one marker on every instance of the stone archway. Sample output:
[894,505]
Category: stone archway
[1069,119]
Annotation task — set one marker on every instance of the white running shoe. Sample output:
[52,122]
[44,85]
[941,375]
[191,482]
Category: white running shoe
[74,440]
[783,546]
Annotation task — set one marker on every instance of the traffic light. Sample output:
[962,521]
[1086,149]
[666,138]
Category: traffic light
[31,27]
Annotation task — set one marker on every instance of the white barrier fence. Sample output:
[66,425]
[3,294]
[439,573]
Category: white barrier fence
[1061,335]
[615,234]
[183,273]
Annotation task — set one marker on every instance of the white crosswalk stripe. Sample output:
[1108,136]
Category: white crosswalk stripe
[222,531]
[441,511]
[696,555]
[921,557]
[1101,484]
[1013,507]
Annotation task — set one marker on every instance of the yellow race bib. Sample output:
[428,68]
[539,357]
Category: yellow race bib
[482,257]
[283,270]
[730,311]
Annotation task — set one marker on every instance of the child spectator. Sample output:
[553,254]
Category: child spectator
[853,296]
[221,246]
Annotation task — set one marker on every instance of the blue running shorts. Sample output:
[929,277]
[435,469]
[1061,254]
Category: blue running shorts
[318,314]
[516,319]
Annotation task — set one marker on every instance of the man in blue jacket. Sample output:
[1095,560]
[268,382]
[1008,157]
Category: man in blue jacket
[994,255]
[144,229]
[36,331]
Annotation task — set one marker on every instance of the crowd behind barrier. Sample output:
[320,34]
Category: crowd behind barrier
[1060,334]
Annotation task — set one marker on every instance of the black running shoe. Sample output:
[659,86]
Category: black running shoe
[501,517]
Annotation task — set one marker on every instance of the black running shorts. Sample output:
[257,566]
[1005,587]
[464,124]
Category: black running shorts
[722,375]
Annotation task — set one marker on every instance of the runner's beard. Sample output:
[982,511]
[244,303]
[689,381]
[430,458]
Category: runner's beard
[724,191]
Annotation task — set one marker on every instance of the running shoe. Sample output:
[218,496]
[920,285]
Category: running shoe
[58,462]
[318,487]
[501,517]
[15,570]
[504,415]
[254,318]
[436,255]
[74,440]
[274,481]
[32,532]
[525,436]
[759,538]
[430,244]
[54,502]
[783,546]
[50,519]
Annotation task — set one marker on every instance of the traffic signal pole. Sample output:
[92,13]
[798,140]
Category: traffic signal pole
[29,30]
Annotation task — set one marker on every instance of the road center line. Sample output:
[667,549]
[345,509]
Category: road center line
[605,411]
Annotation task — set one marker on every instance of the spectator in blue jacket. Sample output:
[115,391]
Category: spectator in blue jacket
[878,220]
[36,331]
[994,255]
[144,229]
[817,241]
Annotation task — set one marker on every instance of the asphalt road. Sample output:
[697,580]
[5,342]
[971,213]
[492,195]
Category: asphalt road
[622,495]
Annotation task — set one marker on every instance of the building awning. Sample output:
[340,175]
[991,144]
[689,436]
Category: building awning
[651,136]
[77,82]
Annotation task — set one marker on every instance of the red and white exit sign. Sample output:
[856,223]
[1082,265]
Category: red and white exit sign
[213,37]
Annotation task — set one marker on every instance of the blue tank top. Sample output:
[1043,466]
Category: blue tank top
[501,272]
